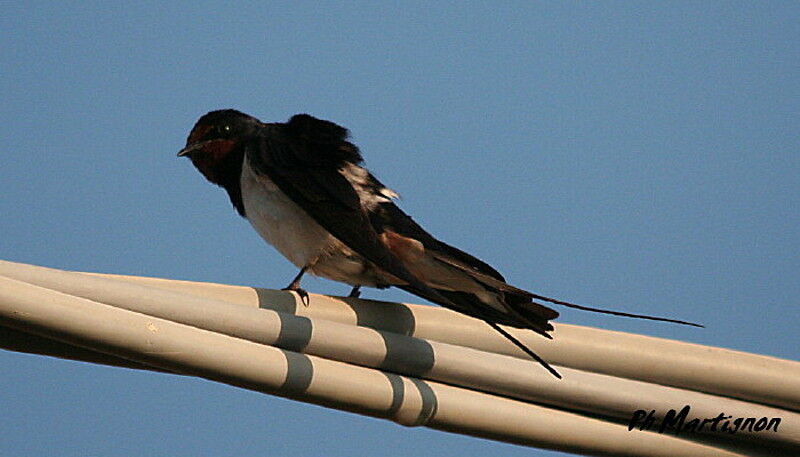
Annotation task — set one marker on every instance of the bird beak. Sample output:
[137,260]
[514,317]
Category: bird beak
[191,148]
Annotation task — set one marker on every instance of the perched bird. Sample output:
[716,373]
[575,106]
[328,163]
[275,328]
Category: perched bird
[303,187]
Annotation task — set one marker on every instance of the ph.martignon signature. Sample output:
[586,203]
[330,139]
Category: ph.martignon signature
[678,422]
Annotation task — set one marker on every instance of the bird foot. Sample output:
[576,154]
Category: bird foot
[295,286]
[356,292]
[304,298]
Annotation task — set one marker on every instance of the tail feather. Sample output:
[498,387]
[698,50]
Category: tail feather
[528,297]
[534,318]
[519,314]
[615,313]
[456,280]
[525,349]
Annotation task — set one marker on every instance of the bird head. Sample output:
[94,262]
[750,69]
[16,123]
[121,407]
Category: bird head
[215,138]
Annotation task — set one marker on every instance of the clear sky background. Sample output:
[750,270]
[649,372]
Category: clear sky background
[640,155]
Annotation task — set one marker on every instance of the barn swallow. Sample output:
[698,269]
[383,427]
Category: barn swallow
[303,187]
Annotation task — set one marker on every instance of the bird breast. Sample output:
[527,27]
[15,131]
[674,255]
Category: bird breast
[280,221]
[298,237]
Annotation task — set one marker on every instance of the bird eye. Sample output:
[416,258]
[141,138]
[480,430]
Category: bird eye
[224,130]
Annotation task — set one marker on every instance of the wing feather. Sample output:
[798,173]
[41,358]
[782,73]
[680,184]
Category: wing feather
[518,305]
[303,158]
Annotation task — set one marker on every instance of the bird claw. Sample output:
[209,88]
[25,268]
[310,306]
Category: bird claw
[356,292]
[304,298]
[295,286]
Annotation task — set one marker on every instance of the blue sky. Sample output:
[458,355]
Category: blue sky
[636,155]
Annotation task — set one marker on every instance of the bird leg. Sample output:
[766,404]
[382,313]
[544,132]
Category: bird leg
[295,286]
[356,292]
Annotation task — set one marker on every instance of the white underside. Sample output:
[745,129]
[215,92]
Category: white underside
[286,226]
